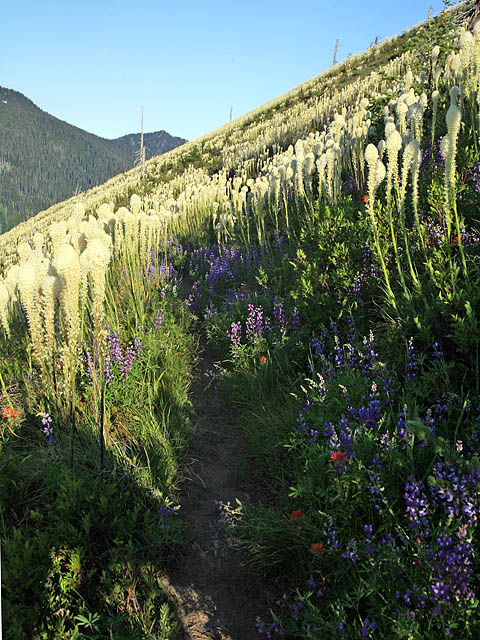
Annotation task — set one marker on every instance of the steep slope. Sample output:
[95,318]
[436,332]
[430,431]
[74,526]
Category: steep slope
[248,146]
[44,160]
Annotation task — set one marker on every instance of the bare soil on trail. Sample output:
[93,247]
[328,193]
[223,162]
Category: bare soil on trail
[217,595]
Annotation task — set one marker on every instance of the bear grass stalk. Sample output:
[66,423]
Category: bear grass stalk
[393,146]
[4,300]
[67,266]
[409,156]
[449,150]
[435,101]
[376,173]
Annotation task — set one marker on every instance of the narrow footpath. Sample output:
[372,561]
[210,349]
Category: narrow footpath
[218,597]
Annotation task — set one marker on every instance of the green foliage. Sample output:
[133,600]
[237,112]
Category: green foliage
[90,541]
[329,257]
[86,554]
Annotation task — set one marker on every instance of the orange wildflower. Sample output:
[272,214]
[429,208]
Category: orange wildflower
[263,359]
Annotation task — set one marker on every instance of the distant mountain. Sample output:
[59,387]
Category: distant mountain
[44,160]
[155,143]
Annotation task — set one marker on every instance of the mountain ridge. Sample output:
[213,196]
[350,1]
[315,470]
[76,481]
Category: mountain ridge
[45,160]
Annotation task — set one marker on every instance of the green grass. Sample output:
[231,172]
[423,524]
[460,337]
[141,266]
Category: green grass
[91,539]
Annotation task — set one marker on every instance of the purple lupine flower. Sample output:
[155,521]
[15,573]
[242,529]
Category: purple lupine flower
[311,583]
[369,267]
[369,548]
[297,608]
[276,628]
[108,370]
[235,333]
[331,535]
[146,261]
[386,440]
[254,326]
[165,513]
[318,347]
[437,352]
[159,318]
[279,315]
[357,287]
[455,492]
[366,628]
[435,231]
[452,569]
[377,490]
[351,552]
[259,323]
[370,414]
[127,361]
[295,319]
[432,163]
[301,420]
[476,176]
[113,343]
[123,359]
[411,367]
[417,506]
[338,355]
[47,427]
[350,184]
[261,626]
[387,385]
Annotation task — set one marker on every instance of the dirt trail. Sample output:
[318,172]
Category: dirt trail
[218,597]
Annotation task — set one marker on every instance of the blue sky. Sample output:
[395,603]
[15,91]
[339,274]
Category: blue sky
[94,63]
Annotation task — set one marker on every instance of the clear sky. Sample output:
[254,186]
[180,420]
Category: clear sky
[94,63]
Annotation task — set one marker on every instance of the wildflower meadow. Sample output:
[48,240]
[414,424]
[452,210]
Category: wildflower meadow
[327,247]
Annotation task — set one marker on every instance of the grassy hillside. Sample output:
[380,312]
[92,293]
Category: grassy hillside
[327,245]
[45,160]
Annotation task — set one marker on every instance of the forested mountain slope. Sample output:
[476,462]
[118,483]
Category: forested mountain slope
[155,143]
[44,160]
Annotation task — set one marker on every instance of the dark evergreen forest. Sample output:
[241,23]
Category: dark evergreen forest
[44,160]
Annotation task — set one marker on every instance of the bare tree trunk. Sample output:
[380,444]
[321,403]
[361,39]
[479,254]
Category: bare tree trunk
[335,54]
[140,154]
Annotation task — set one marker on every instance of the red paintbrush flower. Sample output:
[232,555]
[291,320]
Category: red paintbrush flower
[297,515]
[317,549]
[8,412]
[339,456]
